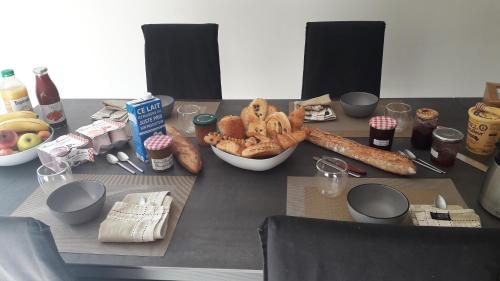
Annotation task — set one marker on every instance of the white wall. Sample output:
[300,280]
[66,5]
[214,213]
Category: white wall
[94,48]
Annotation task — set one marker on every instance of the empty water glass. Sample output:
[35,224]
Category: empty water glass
[401,112]
[185,115]
[331,176]
[53,175]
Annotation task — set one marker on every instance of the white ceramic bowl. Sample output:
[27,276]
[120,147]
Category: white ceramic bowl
[23,156]
[254,164]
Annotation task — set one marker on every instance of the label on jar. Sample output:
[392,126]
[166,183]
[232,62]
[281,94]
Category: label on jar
[53,113]
[381,142]
[434,153]
[163,163]
[20,104]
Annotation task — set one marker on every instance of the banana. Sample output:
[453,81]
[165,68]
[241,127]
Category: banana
[18,114]
[24,125]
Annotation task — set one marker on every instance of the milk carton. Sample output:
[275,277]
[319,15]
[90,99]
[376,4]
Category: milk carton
[145,119]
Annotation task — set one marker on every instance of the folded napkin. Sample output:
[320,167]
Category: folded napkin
[113,109]
[140,217]
[453,215]
[318,108]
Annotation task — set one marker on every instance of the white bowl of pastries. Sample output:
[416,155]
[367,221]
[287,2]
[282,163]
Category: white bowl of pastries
[260,138]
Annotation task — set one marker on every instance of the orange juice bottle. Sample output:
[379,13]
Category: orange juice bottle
[13,92]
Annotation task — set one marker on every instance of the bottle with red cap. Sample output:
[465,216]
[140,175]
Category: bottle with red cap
[48,98]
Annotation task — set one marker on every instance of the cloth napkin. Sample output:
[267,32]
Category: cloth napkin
[113,109]
[140,217]
[453,215]
[318,108]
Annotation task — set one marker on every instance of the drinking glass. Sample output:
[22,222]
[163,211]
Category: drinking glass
[53,175]
[331,176]
[185,115]
[401,112]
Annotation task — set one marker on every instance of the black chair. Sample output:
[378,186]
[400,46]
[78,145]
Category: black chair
[342,57]
[298,249]
[182,60]
[28,252]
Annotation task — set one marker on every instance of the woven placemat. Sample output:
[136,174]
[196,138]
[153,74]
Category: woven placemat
[83,238]
[205,107]
[350,127]
[304,199]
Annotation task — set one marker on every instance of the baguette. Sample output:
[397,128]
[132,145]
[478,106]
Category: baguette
[385,160]
[184,151]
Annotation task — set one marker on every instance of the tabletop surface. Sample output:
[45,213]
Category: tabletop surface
[218,227]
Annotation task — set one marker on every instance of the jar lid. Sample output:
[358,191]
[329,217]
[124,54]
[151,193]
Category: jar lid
[157,142]
[204,119]
[449,135]
[383,123]
[427,113]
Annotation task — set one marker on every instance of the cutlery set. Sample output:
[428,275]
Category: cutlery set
[122,157]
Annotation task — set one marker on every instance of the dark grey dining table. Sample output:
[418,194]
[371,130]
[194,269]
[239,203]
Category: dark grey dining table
[216,237]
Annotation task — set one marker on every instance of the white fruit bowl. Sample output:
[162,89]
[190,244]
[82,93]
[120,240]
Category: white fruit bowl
[23,156]
[254,164]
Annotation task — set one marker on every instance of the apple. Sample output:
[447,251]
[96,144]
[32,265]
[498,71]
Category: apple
[7,139]
[6,151]
[28,141]
[44,135]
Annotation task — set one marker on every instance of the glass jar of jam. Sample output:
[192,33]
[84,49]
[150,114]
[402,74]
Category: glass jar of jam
[159,148]
[445,145]
[425,122]
[204,124]
[382,132]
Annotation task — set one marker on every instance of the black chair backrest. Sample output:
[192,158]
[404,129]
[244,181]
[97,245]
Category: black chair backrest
[342,57]
[182,60]
[298,249]
[28,252]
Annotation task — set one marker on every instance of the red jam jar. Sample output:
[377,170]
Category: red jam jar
[425,122]
[445,145]
[382,132]
[159,149]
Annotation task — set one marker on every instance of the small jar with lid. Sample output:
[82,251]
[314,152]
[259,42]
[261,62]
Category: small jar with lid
[445,145]
[382,132]
[159,148]
[204,124]
[425,122]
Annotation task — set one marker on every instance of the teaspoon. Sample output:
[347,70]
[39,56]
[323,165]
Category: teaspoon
[113,160]
[122,156]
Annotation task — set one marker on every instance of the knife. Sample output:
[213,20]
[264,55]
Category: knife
[351,167]
[333,165]
[476,164]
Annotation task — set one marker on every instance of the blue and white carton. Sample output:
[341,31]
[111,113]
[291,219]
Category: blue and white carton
[145,117]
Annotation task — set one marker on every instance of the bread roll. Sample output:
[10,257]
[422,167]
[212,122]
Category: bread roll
[271,109]
[263,149]
[277,123]
[184,151]
[230,147]
[259,107]
[384,160]
[288,140]
[248,116]
[232,126]
[296,118]
[257,128]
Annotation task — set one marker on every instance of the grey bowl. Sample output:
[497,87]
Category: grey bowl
[77,202]
[167,103]
[377,203]
[359,104]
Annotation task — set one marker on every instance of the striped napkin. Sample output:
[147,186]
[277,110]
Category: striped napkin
[140,217]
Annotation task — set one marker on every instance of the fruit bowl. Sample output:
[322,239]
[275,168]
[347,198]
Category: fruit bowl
[23,156]
[254,164]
